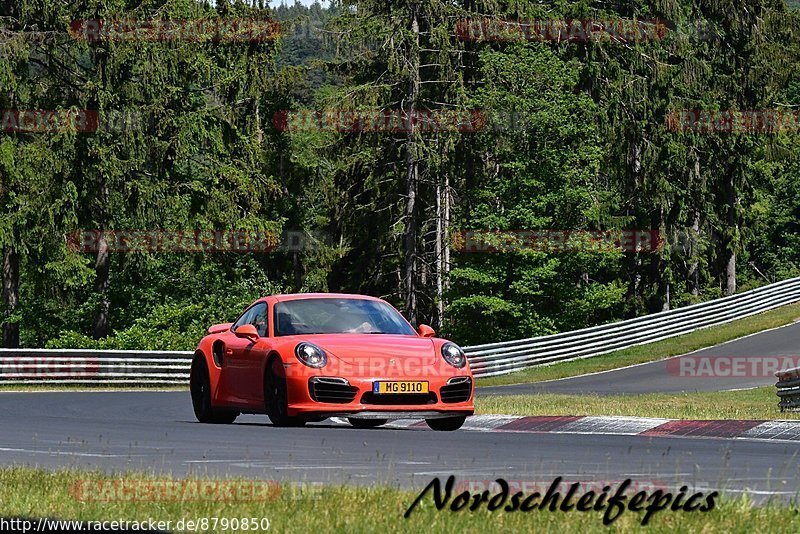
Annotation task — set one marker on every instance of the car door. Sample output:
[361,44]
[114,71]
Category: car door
[254,358]
[242,367]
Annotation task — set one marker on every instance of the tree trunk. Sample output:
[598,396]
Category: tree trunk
[101,288]
[439,254]
[730,274]
[660,299]
[442,247]
[412,175]
[693,252]
[730,243]
[10,295]
[693,274]
[103,218]
[445,257]
[297,270]
[101,262]
[411,238]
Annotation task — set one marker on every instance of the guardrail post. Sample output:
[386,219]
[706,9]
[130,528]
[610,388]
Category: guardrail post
[789,390]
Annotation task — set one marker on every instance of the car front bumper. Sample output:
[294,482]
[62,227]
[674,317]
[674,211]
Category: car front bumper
[339,396]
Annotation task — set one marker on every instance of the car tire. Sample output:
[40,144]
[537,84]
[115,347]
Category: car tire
[276,396]
[446,424]
[366,423]
[200,389]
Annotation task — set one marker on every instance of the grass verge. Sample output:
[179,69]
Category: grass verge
[760,403]
[26,492]
[701,339]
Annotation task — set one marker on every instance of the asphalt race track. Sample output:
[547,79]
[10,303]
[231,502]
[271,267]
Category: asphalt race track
[704,370]
[156,432]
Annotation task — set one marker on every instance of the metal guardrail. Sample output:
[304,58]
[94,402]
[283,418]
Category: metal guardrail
[502,358]
[789,389]
[95,367]
[41,366]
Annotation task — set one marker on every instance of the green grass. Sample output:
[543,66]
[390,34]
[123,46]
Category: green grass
[760,403]
[26,492]
[707,337]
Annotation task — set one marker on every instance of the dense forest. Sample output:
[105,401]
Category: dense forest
[378,142]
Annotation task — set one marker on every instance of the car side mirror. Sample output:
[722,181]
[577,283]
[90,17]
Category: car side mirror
[426,331]
[247,331]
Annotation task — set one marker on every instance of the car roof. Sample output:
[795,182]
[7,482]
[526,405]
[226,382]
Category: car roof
[298,296]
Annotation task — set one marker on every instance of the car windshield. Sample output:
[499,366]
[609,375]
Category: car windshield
[338,316]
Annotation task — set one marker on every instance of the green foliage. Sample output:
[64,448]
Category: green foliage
[172,299]
[578,140]
[544,173]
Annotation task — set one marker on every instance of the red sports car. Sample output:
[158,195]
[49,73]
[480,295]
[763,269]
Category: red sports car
[307,357]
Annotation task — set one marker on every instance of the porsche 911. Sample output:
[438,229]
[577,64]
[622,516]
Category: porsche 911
[307,357]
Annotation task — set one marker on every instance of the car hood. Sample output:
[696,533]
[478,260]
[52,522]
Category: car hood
[358,348]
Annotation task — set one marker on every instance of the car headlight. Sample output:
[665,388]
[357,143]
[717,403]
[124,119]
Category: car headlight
[453,355]
[311,355]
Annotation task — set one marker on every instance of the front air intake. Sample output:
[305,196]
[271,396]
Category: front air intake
[331,390]
[457,390]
